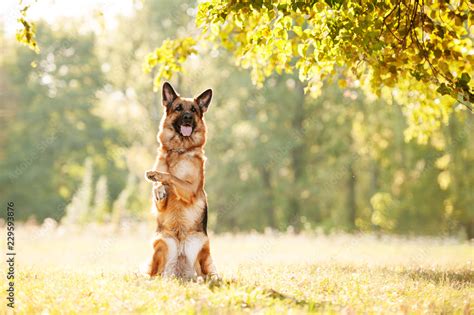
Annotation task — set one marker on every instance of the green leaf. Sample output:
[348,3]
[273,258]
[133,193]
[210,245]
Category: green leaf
[465,78]
[443,89]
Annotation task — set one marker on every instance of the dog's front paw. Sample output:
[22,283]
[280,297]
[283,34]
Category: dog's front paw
[160,192]
[156,176]
[151,176]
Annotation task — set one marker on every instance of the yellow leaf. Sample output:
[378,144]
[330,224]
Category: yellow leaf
[342,83]
[298,30]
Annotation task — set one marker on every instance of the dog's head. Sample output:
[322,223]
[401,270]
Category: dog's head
[183,126]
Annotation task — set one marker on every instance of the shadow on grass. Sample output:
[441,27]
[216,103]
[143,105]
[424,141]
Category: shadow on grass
[456,278]
[277,295]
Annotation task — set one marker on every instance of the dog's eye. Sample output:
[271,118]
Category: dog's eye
[193,109]
[179,108]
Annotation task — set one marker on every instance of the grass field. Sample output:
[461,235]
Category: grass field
[95,270]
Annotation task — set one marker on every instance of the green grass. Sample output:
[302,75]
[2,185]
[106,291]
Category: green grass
[96,271]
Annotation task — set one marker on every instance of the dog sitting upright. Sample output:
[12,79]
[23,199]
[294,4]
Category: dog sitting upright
[181,245]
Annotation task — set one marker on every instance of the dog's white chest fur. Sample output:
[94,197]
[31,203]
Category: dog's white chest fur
[182,255]
[183,168]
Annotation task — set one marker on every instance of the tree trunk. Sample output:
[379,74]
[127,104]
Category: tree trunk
[351,197]
[268,193]
[374,186]
[469,228]
[297,158]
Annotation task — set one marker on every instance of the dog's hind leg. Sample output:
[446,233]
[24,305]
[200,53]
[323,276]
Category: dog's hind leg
[204,264]
[159,258]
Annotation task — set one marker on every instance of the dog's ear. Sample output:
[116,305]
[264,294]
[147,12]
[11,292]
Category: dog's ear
[169,95]
[204,100]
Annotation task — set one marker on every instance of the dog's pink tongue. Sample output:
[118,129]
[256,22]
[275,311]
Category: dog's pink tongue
[186,130]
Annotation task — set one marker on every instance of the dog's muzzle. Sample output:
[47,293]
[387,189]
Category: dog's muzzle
[186,127]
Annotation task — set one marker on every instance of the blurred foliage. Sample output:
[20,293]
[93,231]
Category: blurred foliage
[77,210]
[277,157]
[53,127]
[338,162]
[413,48]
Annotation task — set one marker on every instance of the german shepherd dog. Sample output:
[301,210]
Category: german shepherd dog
[181,245]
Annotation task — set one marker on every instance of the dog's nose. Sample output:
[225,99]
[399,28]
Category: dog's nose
[187,117]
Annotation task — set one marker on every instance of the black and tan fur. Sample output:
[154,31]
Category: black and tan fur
[181,246]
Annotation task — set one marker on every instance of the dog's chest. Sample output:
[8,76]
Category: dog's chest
[180,217]
[182,165]
[183,168]
[185,220]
